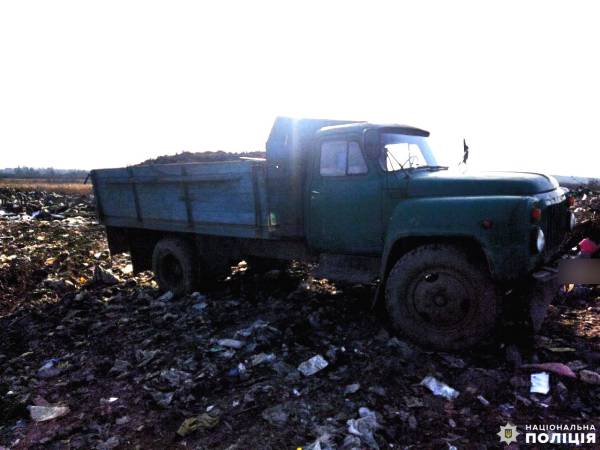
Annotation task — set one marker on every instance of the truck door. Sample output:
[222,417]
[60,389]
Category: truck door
[344,200]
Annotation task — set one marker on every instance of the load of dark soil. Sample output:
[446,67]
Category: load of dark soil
[209,156]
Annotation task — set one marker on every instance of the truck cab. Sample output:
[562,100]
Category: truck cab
[370,186]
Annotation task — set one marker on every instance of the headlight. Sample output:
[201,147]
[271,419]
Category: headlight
[572,221]
[540,240]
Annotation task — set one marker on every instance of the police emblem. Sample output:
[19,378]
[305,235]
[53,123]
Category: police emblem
[508,433]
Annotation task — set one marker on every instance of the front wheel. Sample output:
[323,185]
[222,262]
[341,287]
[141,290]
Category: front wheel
[440,299]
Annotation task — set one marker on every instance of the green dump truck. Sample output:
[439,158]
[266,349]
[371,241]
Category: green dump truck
[368,202]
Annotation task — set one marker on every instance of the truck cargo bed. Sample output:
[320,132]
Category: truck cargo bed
[223,198]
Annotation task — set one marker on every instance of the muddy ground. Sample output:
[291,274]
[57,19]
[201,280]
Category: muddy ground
[122,366]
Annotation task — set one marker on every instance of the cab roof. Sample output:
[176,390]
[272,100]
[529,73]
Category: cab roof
[361,127]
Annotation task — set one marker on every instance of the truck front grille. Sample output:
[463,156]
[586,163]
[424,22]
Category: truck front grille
[554,225]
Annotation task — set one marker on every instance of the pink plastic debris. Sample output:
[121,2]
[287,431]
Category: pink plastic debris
[588,247]
[554,367]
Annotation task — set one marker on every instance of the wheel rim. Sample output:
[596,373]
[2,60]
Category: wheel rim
[171,271]
[440,299]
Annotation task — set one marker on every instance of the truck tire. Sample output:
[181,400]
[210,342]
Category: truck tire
[173,264]
[437,297]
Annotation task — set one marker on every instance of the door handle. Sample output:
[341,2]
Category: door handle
[314,194]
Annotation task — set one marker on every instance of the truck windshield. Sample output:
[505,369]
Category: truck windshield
[403,151]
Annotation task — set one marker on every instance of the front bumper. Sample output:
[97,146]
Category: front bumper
[543,290]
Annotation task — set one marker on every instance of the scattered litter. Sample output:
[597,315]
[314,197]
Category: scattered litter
[175,378]
[144,366]
[561,349]
[109,444]
[364,427]
[483,400]
[453,361]
[122,420]
[413,402]
[556,368]
[312,365]
[163,399]
[589,376]
[102,275]
[199,306]
[233,372]
[50,369]
[351,388]
[261,358]
[576,365]
[588,247]
[120,367]
[203,421]
[44,413]
[198,296]
[230,343]
[439,388]
[166,297]
[540,383]
[276,415]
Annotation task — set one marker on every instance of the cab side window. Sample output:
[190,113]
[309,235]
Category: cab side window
[339,158]
[356,161]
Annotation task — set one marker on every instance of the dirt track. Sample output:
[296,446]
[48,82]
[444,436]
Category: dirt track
[132,367]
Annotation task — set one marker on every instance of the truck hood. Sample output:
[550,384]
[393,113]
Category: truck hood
[447,184]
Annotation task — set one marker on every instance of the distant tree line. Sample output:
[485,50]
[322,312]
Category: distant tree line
[46,172]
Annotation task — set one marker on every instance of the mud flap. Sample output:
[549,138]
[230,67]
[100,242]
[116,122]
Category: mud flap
[543,291]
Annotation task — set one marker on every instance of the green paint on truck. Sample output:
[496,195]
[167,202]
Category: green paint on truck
[367,201]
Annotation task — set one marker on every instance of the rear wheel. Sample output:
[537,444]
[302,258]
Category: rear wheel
[440,299]
[174,266]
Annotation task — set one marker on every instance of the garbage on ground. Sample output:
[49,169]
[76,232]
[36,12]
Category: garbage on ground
[44,413]
[261,358]
[352,388]
[175,377]
[312,365]
[483,400]
[123,420]
[556,368]
[540,383]
[50,369]
[439,388]
[276,415]
[204,421]
[105,276]
[588,247]
[166,297]
[230,343]
[109,444]
[199,307]
[364,427]
[120,367]
[163,399]
[589,376]
[133,368]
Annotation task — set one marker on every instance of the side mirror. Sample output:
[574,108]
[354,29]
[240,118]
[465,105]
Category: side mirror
[372,144]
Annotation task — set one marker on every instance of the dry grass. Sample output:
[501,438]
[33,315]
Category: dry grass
[48,185]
